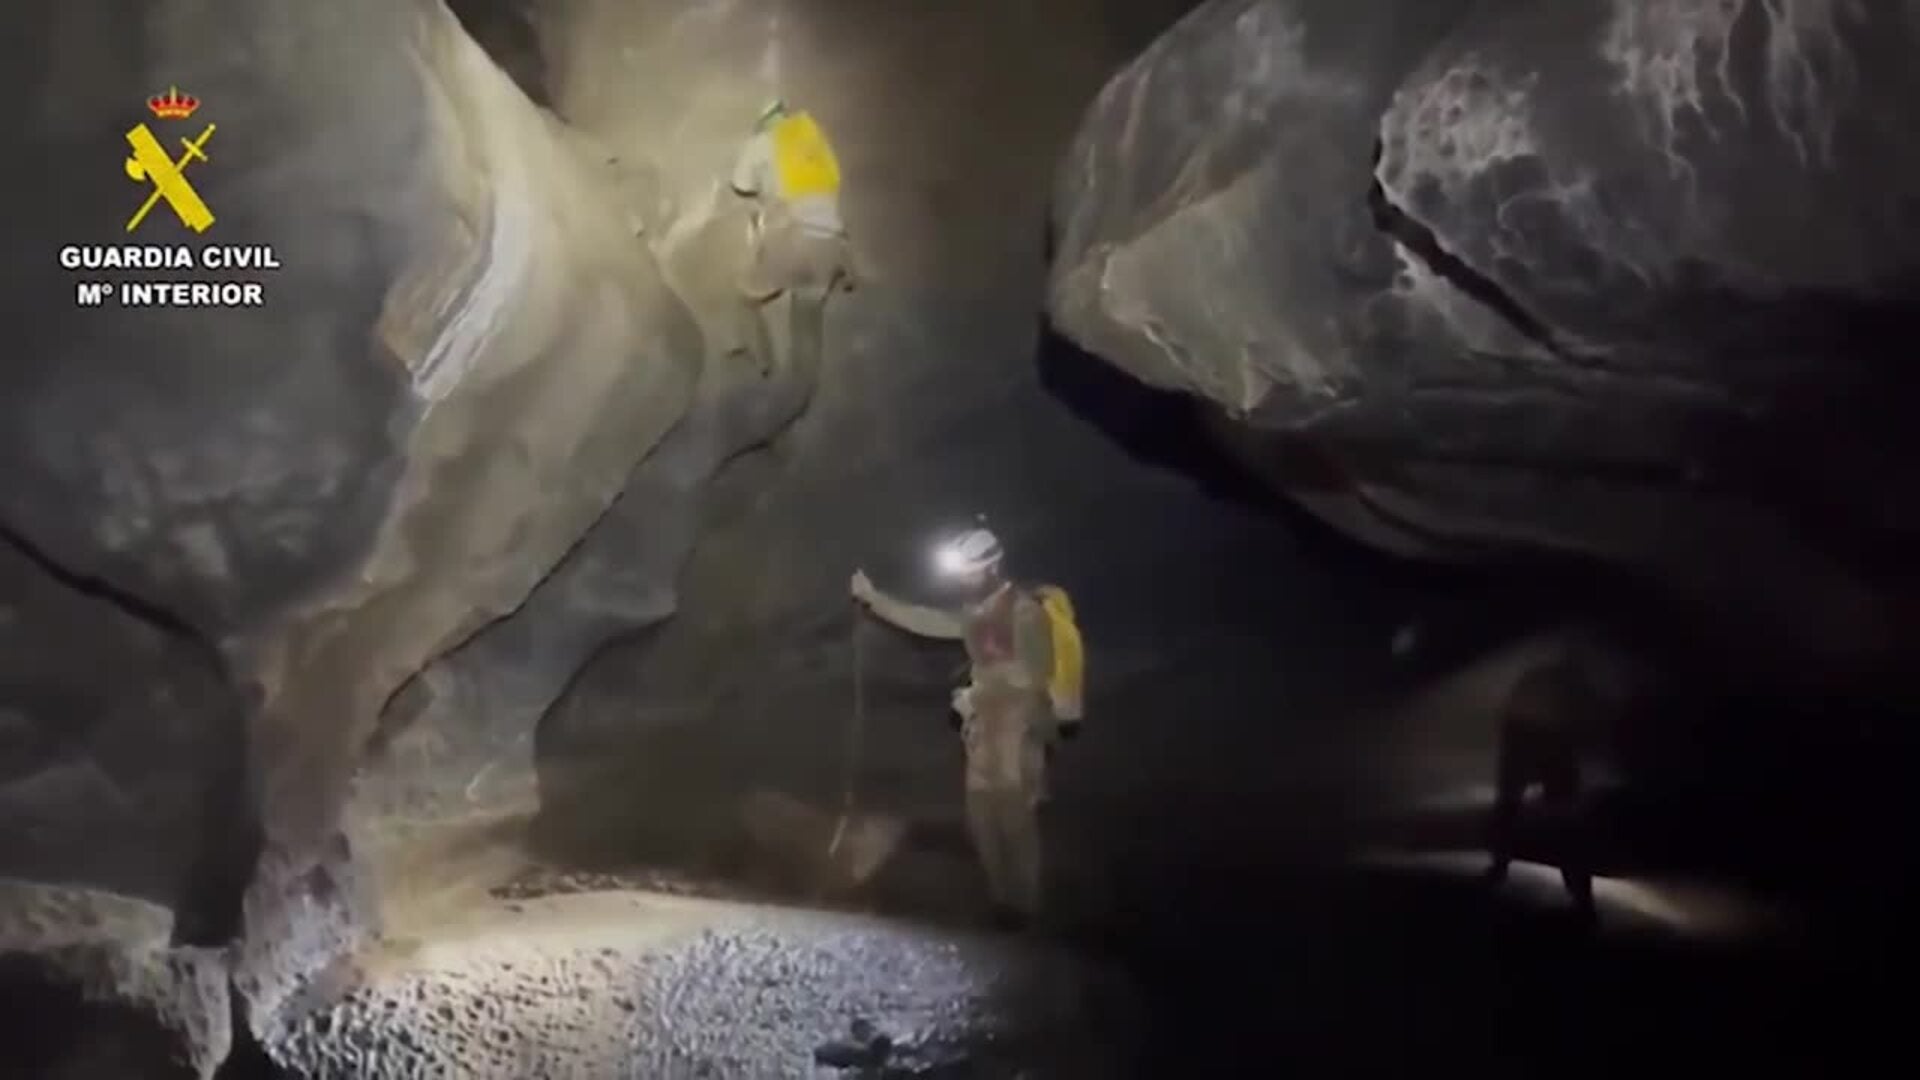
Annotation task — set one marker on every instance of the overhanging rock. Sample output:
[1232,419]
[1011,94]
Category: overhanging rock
[1562,276]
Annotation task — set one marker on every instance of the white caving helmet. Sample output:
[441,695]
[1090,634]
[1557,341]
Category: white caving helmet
[973,552]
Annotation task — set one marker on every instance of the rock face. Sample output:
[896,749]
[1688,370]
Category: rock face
[369,560]
[1609,278]
[231,535]
[99,991]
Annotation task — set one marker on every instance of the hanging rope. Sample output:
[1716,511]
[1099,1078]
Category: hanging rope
[856,732]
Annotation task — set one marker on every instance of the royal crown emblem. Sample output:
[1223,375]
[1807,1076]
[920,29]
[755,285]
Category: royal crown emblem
[173,105]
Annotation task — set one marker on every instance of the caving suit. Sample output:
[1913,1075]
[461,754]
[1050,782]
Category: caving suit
[1006,723]
[799,240]
[1542,725]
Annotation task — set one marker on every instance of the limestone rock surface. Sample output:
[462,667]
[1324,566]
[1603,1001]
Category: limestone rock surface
[1617,279]
[229,536]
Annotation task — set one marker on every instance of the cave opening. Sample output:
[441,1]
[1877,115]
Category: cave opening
[474,659]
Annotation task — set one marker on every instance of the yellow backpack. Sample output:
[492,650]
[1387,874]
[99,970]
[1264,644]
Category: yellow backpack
[1068,684]
[803,161]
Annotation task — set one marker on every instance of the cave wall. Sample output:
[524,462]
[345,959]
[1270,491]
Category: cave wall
[1613,279]
[455,770]
[231,535]
[533,366]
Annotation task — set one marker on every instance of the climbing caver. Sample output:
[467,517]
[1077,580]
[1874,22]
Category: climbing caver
[1025,687]
[1547,718]
[798,239]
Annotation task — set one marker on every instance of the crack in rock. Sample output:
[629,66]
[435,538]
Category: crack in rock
[1414,237]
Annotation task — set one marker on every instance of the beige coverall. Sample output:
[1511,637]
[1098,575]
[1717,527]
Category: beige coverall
[799,244]
[1007,719]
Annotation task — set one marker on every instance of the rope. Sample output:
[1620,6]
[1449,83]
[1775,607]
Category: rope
[856,729]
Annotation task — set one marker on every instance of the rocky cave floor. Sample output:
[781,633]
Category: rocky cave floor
[1391,963]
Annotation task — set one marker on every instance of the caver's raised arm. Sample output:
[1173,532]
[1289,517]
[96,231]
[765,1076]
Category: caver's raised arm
[927,622]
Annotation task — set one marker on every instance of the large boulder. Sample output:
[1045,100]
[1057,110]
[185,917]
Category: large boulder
[1607,278]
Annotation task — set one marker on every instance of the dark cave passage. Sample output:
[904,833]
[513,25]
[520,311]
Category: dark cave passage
[457,664]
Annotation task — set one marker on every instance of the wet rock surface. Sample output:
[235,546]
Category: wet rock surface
[1610,278]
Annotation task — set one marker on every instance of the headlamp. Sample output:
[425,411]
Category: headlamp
[949,561]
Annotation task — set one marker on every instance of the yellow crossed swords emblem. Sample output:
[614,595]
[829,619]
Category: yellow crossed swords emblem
[150,163]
